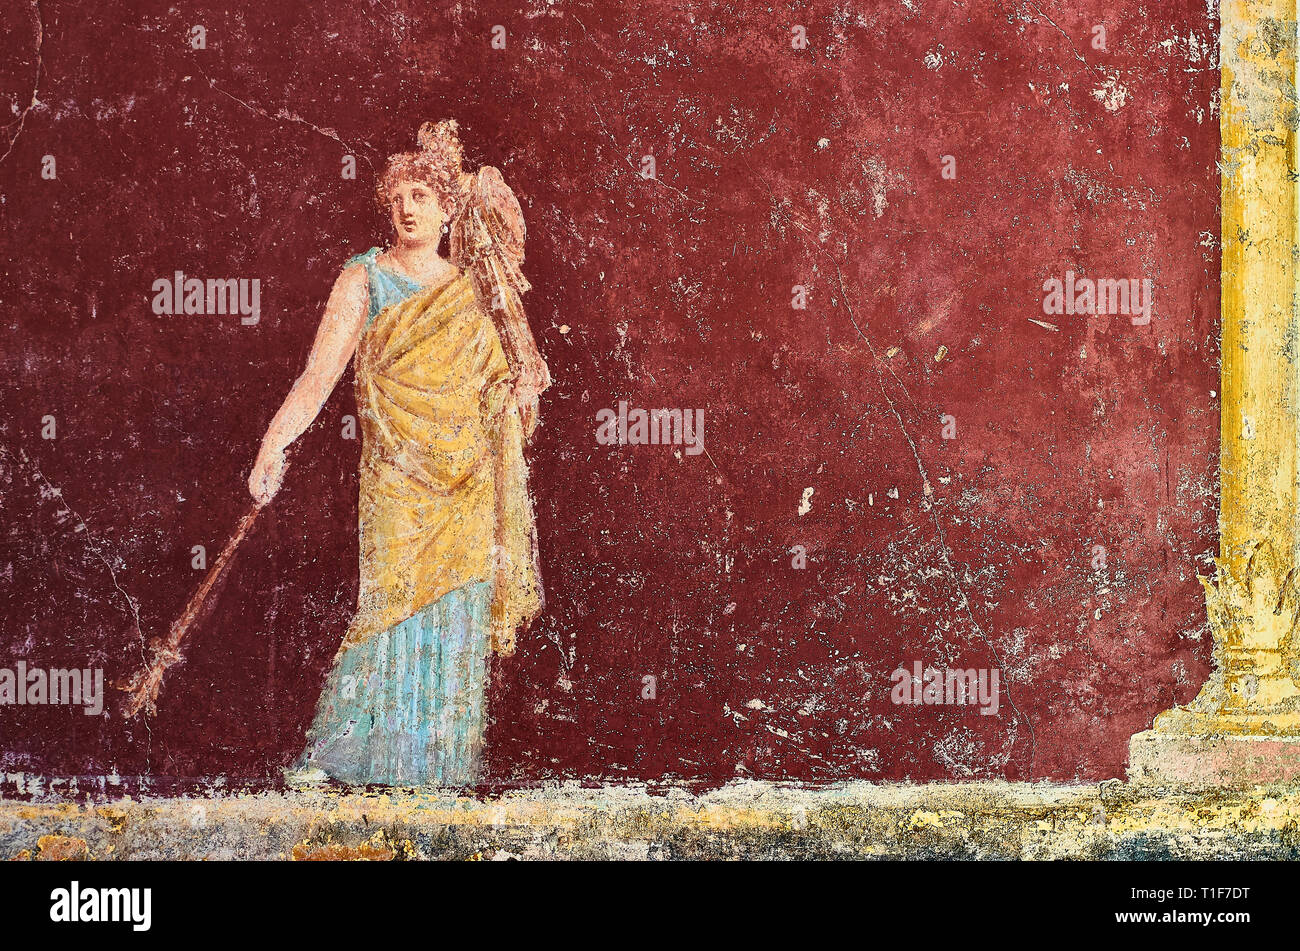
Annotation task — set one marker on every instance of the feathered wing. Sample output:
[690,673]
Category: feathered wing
[488,242]
[489,236]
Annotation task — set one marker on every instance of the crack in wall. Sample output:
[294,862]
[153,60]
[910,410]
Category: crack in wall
[938,527]
[94,545]
[944,550]
[1073,47]
[283,115]
[36,85]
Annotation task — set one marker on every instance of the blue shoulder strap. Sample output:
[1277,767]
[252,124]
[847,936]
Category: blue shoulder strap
[367,259]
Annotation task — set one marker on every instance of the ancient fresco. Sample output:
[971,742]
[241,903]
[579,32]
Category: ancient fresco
[486,396]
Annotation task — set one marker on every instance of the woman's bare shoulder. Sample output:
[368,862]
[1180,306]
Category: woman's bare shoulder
[351,291]
[354,272]
[352,276]
[356,269]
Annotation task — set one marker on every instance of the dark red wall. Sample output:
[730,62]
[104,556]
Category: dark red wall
[226,162]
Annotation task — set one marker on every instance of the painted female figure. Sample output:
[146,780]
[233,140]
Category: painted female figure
[447,381]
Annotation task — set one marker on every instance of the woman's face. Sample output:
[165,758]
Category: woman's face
[417,216]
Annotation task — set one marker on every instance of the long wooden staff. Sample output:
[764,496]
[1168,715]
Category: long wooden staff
[143,688]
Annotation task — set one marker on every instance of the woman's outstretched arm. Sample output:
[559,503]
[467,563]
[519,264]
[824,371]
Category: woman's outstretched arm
[336,340]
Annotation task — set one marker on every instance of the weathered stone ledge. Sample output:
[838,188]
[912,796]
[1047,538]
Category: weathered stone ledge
[751,820]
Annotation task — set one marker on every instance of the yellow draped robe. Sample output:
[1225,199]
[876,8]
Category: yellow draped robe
[444,497]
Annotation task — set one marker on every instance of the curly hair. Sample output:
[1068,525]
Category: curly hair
[437,164]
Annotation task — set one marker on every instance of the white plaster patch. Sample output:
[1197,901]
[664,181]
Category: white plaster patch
[805,503]
[1112,94]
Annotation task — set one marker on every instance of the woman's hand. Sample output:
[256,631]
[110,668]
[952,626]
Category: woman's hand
[518,393]
[532,381]
[336,340]
[267,475]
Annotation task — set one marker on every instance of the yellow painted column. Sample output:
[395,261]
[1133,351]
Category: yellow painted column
[1245,724]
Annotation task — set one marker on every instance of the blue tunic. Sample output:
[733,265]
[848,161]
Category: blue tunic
[407,706]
